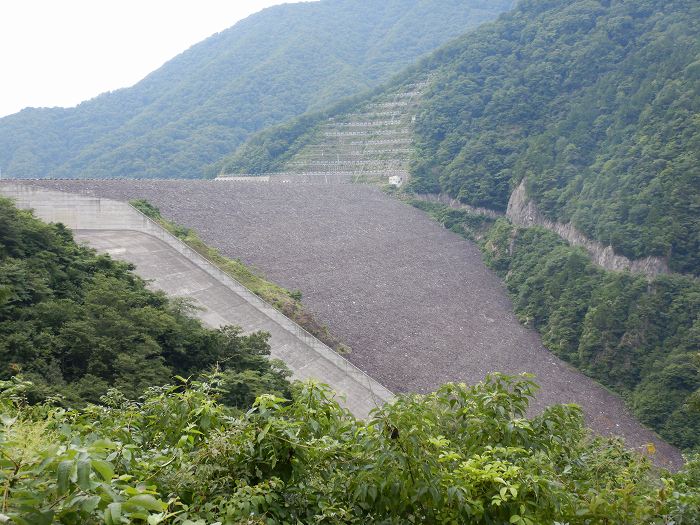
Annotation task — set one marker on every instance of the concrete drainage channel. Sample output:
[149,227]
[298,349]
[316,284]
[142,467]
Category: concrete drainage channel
[118,229]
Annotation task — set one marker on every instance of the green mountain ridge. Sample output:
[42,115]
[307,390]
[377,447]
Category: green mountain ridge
[199,106]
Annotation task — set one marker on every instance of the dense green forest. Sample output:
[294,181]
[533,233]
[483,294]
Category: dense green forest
[199,106]
[595,102]
[77,324]
[463,455]
[639,338]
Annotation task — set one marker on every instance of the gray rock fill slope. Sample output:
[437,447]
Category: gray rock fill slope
[413,300]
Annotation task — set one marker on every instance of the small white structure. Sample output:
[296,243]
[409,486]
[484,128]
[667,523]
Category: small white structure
[396,180]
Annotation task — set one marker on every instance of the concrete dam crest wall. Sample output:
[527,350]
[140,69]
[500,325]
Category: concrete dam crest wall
[120,230]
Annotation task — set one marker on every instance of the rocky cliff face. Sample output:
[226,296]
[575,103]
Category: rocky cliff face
[523,211]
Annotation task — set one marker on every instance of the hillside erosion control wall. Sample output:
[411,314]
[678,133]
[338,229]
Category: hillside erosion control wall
[523,211]
[173,267]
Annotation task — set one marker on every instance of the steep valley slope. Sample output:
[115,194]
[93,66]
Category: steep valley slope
[414,301]
[593,104]
[584,116]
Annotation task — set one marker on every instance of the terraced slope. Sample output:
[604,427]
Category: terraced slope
[372,140]
[413,300]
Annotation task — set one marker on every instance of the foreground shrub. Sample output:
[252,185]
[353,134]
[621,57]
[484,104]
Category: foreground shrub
[464,454]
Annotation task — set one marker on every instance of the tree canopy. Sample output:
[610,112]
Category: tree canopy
[464,454]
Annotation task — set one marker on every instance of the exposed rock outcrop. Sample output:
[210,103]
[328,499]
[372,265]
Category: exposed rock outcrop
[523,211]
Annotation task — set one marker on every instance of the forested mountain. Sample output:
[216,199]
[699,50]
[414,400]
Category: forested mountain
[594,102]
[199,106]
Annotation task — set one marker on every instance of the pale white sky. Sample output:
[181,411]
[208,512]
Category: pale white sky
[61,52]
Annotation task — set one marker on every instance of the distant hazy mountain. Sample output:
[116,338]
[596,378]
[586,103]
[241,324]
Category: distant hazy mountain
[199,106]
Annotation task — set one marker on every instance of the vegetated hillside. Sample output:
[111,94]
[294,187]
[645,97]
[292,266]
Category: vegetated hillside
[595,102]
[199,106]
[370,139]
[77,324]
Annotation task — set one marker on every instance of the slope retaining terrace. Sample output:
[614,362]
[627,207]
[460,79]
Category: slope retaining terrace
[123,232]
[413,300]
[373,140]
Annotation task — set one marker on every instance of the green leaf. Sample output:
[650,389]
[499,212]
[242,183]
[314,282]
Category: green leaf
[35,518]
[63,477]
[90,504]
[102,445]
[155,519]
[113,514]
[264,432]
[103,468]
[84,474]
[372,491]
[144,501]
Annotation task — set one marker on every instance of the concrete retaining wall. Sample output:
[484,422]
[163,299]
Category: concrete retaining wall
[305,355]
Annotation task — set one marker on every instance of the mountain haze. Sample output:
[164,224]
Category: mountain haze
[199,106]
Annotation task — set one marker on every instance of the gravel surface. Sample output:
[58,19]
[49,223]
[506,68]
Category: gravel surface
[414,301]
